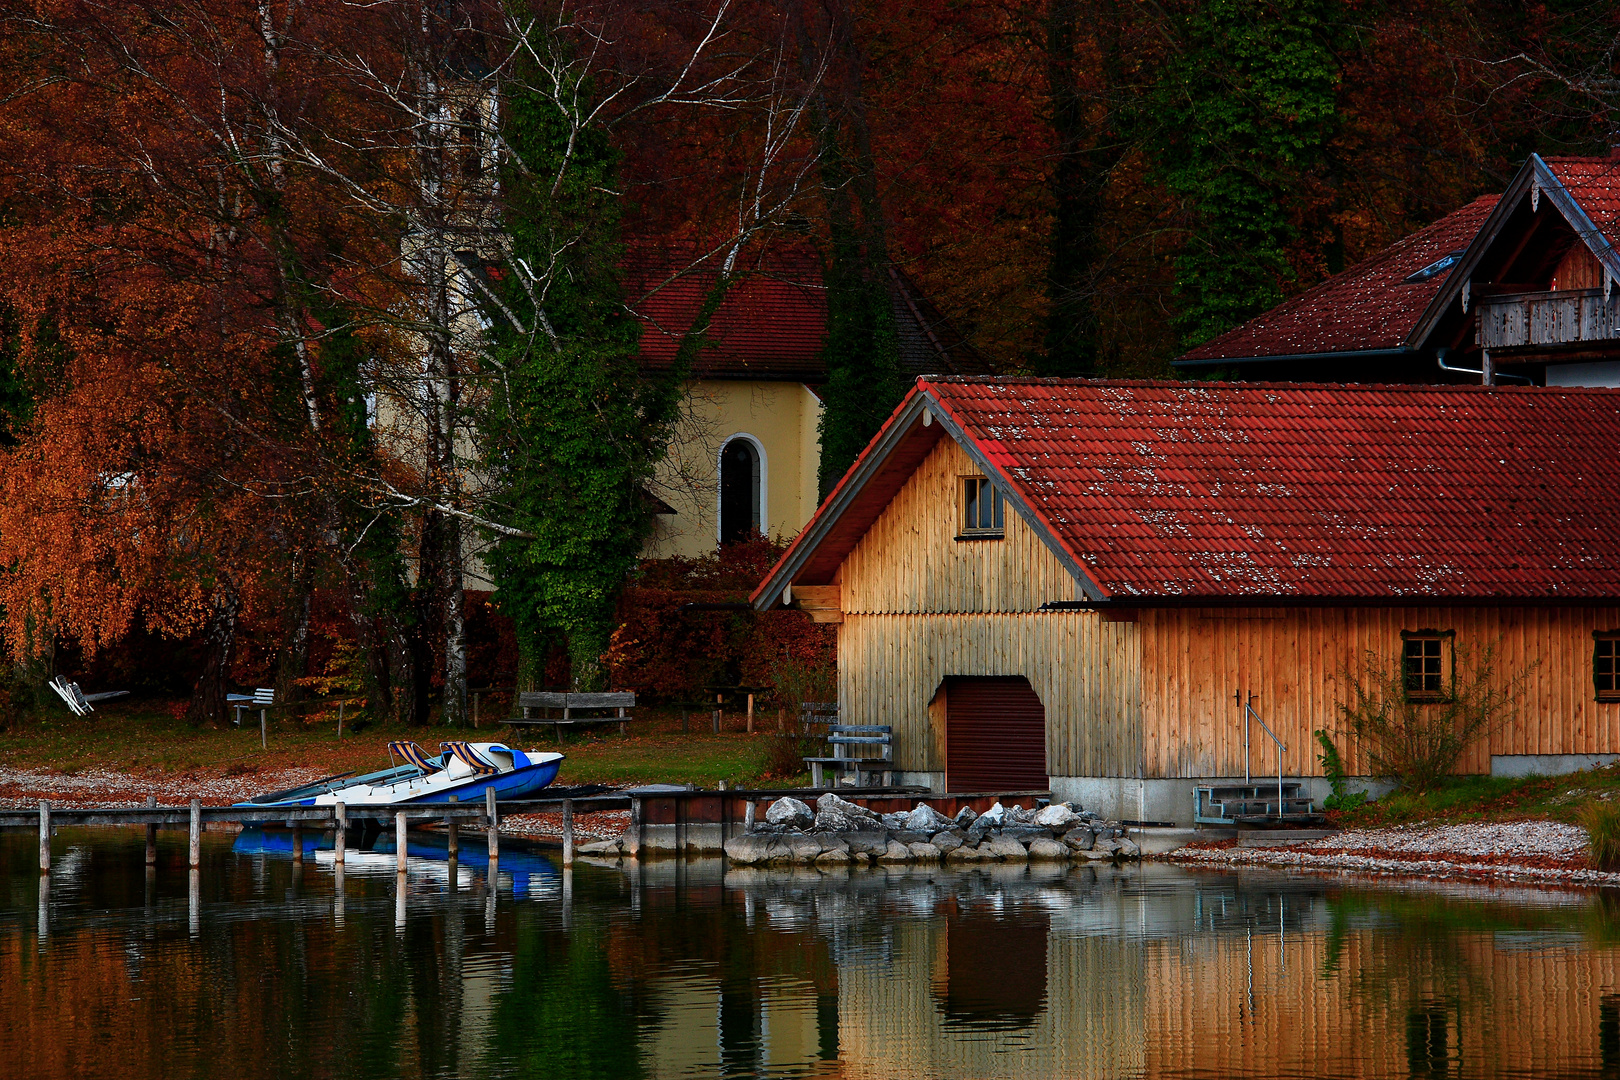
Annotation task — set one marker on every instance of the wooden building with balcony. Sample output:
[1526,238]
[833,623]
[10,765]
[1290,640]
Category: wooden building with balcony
[1517,288]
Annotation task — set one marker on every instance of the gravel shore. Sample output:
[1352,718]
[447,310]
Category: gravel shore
[1545,851]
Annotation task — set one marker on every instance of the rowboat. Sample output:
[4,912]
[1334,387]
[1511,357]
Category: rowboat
[463,770]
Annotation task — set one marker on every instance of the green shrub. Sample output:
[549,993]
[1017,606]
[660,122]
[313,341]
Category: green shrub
[1333,768]
[1417,743]
[1601,821]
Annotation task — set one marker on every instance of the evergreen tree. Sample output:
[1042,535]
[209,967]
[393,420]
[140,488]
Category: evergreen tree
[574,428]
[1245,107]
[862,348]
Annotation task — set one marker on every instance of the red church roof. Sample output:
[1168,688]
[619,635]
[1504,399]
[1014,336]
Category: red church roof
[772,321]
[1218,491]
[1370,306]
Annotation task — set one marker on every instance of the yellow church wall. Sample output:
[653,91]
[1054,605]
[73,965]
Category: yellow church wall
[781,418]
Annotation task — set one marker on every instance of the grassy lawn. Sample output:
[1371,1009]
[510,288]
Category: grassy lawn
[146,737]
[1485,798]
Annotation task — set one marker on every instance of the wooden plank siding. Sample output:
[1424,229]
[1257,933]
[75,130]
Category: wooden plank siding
[1153,696]
[1083,668]
[1292,659]
[910,560]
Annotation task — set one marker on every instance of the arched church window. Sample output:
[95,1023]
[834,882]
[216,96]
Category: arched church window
[740,476]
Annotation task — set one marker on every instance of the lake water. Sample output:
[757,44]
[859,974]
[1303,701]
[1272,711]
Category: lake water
[271,969]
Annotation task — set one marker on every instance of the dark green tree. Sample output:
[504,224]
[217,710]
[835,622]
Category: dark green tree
[574,428]
[861,351]
[1244,109]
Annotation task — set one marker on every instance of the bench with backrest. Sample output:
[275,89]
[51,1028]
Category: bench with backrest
[844,738]
[262,698]
[557,709]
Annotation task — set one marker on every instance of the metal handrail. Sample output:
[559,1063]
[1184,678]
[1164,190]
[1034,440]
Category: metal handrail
[1282,748]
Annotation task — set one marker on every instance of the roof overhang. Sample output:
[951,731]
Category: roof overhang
[1533,177]
[911,433]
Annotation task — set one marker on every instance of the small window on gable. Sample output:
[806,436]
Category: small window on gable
[1606,664]
[1426,657]
[983,512]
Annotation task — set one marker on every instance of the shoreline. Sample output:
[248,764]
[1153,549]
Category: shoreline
[1523,851]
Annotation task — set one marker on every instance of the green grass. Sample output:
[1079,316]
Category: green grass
[1486,798]
[146,737]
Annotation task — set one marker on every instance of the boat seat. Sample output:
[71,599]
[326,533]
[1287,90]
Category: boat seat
[470,757]
[415,755]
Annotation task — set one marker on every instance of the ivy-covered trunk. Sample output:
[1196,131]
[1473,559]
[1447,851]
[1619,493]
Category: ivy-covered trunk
[575,427]
[219,649]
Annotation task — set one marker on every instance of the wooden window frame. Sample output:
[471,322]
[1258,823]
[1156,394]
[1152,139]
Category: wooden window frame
[1611,638]
[1447,641]
[970,531]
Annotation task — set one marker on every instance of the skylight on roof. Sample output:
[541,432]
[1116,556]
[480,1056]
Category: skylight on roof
[1439,266]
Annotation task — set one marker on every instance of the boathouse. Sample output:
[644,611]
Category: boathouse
[1105,587]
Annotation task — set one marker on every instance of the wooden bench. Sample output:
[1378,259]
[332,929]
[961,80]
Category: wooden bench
[843,737]
[573,709]
[263,698]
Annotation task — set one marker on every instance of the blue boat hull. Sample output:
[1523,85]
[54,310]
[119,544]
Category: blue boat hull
[513,785]
[520,783]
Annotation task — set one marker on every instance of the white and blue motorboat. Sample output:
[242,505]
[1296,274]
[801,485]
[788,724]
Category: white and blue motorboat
[465,770]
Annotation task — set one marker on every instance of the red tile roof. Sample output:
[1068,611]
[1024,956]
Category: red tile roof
[1595,184]
[1230,491]
[773,319]
[1366,307]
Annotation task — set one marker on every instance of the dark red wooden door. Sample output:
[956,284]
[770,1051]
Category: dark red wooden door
[995,735]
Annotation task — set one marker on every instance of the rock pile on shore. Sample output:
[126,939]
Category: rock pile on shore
[839,832]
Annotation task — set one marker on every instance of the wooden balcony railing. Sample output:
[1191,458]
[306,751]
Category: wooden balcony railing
[1547,318]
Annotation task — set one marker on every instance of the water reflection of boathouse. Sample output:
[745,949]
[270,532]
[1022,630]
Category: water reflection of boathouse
[1107,974]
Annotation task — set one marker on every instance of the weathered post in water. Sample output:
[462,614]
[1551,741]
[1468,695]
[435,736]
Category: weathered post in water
[298,843]
[748,815]
[632,836]
[151,833]
[452,834]
[494,829]
[194,852]
[340,835]
[399,841]
[568,832]
[44,837]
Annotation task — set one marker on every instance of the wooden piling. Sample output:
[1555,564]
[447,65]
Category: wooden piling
[151,834]
[194,852]
[452,832]
[494,825]
[298,843]
[399,841]
[632,835]
[44,837]
[340,834]
[568,832]
[748,815]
